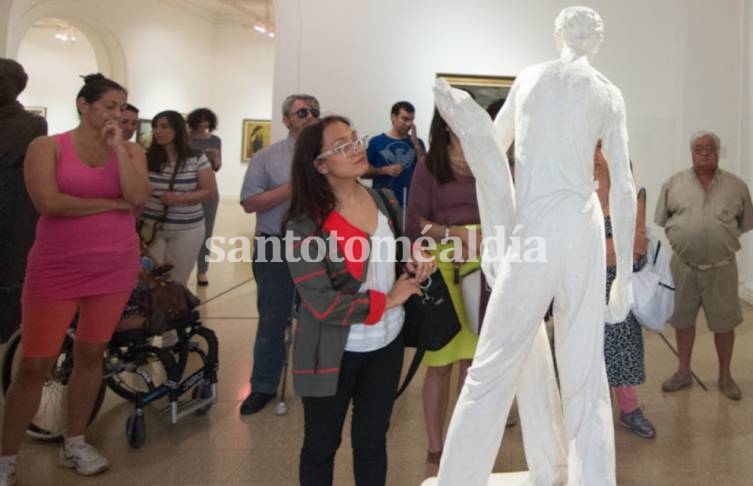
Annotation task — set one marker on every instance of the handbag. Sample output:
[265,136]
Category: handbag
[148,228]
[430,319]
[167,305]
[653,288]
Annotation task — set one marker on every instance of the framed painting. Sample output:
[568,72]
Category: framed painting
[37,110]
[486,89]
[255,136]
[144,133]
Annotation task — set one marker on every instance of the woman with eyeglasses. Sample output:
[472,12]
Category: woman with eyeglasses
[201,123]
[348,346]
[442,204]
[172,221]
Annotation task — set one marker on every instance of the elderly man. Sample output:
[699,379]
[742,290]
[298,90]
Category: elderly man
[17,214]
[266,192]
[704,210]
[556,112]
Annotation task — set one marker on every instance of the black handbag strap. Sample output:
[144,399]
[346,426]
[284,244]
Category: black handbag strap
[420,349]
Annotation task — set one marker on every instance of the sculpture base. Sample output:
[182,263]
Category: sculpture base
[497,479]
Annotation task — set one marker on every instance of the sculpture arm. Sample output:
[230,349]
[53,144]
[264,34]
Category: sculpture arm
[622,204]
[485,148]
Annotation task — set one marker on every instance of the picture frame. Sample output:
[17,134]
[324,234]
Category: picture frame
[486,89]
[256,135]
[37,110]
[144,133]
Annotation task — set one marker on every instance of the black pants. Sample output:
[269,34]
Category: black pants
[274,300]
[370,380]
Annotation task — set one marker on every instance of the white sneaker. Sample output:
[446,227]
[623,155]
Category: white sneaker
[8,474]
[84,457]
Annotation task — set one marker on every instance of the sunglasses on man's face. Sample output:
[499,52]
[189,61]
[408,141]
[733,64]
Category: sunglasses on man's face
[304,112]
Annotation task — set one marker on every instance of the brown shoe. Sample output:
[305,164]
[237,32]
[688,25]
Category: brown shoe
[676,382]
[730,389]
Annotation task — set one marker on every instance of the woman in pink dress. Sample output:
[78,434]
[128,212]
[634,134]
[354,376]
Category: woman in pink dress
[85,259]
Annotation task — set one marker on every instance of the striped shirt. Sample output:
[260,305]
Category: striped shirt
[187,180]
[381,277]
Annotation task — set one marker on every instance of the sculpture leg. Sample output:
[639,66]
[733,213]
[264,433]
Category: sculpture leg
[579,344]
[511,324]
[540,411]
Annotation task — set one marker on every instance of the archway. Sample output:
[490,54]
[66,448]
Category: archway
[54,49]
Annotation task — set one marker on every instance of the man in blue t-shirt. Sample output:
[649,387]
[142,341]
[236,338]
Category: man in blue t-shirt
[393,155]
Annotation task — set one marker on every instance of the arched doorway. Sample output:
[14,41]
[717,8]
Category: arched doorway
[55,49]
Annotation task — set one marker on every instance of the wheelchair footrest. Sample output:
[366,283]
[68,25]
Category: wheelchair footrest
[180,408]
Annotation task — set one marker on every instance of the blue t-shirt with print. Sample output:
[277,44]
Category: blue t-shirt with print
[384,150]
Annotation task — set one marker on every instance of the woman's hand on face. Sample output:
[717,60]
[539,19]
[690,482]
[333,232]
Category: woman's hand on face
[404,287]
[113,134]
[422,265]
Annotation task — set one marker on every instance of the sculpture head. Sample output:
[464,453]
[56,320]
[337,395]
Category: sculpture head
[12,80]
[579,29]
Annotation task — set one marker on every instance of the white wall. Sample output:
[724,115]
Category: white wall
[679,63]
[170,59]
[240,74]
[42,56]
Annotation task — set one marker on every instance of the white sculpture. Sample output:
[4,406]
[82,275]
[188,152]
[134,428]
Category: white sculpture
[556,112]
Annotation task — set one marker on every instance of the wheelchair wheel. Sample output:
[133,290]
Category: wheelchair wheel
[50,419]
[136,429]
[138,373]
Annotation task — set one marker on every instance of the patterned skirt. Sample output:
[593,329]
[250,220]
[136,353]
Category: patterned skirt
[623,347]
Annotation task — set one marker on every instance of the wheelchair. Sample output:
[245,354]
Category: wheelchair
[130,365]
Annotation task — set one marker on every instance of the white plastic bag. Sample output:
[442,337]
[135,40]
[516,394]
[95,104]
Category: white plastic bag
[653,288]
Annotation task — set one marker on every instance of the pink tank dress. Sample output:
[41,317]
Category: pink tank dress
[80,256]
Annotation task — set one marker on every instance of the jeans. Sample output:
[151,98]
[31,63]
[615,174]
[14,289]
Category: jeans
[370,380]
[210,211]
[274,300]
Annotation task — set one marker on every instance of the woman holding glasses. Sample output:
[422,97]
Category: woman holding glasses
[348,345]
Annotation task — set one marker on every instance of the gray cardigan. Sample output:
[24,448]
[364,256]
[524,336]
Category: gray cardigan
[330,303]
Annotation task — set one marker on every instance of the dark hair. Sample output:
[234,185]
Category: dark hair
[494,107]
[312,195]
[13,80]
[132,108]
[438,157]
[96,85]
[199,115]
[402,105]
[156,155]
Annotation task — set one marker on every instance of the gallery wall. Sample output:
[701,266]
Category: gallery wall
[172,60]
[680,65]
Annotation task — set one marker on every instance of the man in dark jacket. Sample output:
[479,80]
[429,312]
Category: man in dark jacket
[17,214]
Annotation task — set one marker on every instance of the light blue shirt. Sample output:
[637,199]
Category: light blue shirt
[269,169]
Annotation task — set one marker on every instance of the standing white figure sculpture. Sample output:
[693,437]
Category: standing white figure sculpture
[556,112]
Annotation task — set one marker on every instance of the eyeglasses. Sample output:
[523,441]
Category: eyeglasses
[347,149]
[704,149]
[304,112]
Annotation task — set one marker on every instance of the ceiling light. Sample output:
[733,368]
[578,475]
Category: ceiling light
[65,33]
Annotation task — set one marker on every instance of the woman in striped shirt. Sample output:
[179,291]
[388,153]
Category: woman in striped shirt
[182,179]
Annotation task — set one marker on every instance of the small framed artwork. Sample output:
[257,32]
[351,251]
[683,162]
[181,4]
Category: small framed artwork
[256,135]
[144,133]
[37,110]
[486,89]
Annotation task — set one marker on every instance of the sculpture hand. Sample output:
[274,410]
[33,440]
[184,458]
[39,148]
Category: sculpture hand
[620,299]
